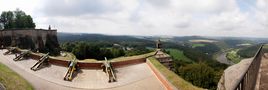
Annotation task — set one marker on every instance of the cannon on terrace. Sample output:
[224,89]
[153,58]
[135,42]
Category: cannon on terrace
[109,70]
[22,55]
[10,50]
[72,67]
[41,62]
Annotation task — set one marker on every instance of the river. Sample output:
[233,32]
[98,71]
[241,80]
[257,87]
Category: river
[222,59]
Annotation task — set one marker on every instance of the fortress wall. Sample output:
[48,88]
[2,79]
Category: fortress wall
[33,33]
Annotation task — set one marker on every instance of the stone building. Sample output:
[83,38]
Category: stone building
[33,39]
[162,57]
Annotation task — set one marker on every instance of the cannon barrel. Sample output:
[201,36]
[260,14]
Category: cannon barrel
[21,55]
[109,70]
[72,67]
[40,62]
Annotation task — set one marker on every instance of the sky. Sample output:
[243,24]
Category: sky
[238,18]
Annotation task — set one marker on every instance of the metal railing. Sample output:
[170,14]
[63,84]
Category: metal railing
[249,78]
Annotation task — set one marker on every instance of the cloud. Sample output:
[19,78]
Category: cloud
[262,12]
[159,3]
[78,7]
[156,17]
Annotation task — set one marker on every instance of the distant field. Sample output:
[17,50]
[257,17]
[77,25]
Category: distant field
[265,46]
[198,45]
[178,54]
[12,81]
[244,44]
[204,40]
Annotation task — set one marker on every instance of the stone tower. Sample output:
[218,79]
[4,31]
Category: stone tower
[158,44]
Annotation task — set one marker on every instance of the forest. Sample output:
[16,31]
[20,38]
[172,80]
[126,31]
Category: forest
[99,50]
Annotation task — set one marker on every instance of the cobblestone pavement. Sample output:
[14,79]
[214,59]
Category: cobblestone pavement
[134,77]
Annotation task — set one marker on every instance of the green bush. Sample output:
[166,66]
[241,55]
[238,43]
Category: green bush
[248,51]
[200,75]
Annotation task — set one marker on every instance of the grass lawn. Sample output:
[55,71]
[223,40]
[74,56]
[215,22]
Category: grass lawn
[178,54]
[11,80]
[172,77]
[232,55]
[198,45]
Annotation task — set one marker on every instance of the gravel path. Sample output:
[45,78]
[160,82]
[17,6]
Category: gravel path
[135,77]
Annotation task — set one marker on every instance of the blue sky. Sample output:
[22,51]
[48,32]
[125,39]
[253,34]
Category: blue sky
[246,5]
[247,18]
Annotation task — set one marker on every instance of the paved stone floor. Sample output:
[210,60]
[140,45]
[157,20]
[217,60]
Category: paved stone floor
[134,77]
[2,86]
[264,73]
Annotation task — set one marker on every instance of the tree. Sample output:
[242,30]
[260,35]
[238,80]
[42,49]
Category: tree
[7,19]
[16,19]
[199,74]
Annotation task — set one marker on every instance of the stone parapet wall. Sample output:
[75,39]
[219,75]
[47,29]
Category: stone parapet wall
[160,77]
[89,65]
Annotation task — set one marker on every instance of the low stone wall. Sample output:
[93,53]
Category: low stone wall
[160,77]
[89,65]
[128,62]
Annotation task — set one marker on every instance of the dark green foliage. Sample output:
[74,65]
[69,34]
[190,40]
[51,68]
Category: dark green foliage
[83,50]
[209,48]
[6,41]
[199,74]
[127,41]
[26,43]
[16,20]
[67,46]
[99,50]
[51,46]
[7,19]
[248,51]
[204,71]
[137,51]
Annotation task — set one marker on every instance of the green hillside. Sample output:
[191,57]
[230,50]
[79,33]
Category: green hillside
[178,55]
[11,80]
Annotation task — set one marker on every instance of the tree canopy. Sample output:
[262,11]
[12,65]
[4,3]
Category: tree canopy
[17,19]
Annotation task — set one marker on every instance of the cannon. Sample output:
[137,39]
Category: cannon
[10,50]
[41,61]
[22,55]
[109,70]
[73,66]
